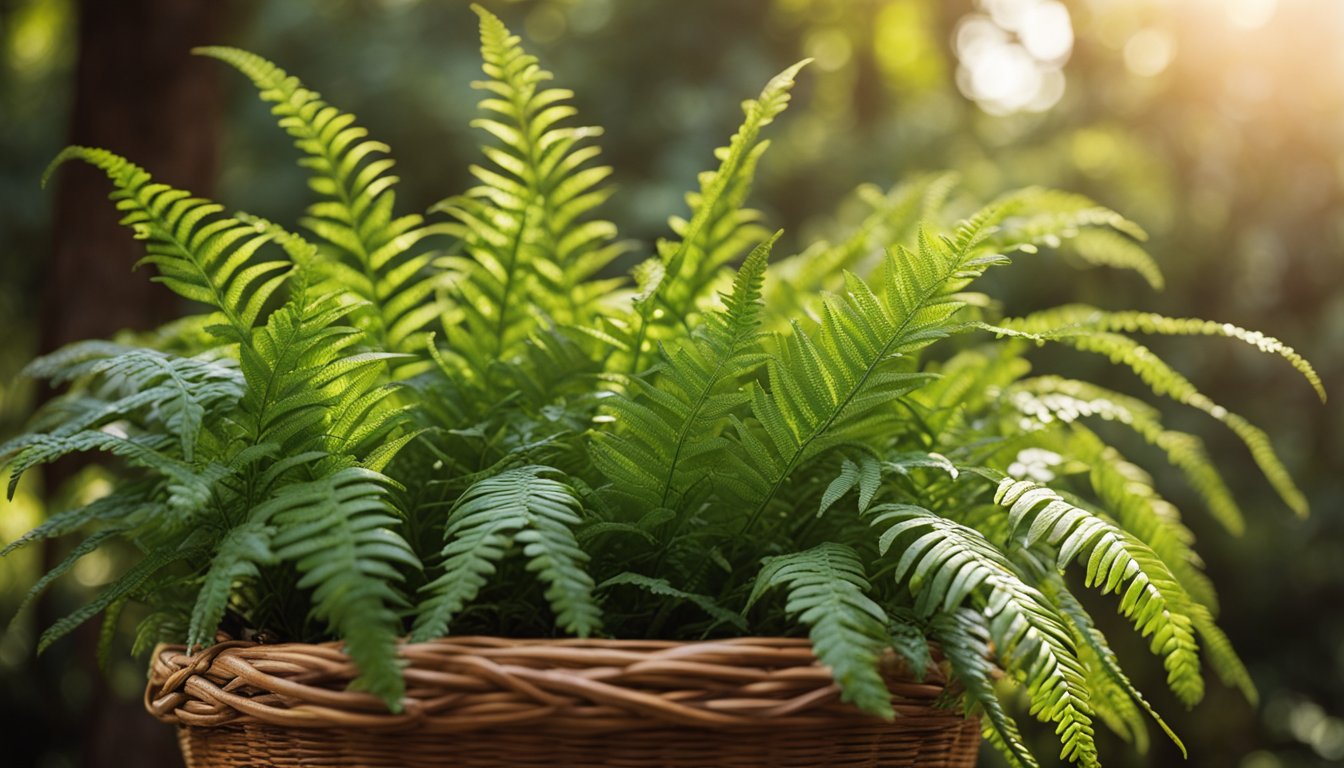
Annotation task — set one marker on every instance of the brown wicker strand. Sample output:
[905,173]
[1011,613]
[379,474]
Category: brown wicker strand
[476,701]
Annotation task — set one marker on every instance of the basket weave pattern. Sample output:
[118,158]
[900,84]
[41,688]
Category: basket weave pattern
[498,702]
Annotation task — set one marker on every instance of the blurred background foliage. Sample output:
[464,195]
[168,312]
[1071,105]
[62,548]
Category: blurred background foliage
[1216,124]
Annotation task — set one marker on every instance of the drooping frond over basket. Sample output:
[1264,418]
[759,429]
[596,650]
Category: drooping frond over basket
[412,431]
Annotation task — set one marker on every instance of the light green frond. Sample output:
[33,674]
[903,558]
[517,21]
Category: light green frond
[539,161]
[719,227]
[1150,596]
[1051,398]
[1065,327]
[1113,692]
[944,563]
[1038,216]
[199,254]
[371,246]
[827,592]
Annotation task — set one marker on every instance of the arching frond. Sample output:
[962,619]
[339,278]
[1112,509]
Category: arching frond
[1039,216]
[1117,562]
[1049,398]
[199,254]
[523,506]
[964,639]
[1064,326]
[944,563]
[827,591]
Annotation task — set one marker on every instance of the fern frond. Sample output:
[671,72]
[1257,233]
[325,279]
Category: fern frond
[338,530]
[1164,380]
[962,636]
[540,162]
[1222,656]
[1110,683]
[525,506]
[1117,562]
[1081,317]
[130,581]
[355,216]
[827,591]
[1049,217]
[842,383]
[1050,398]
[661,423]
[662,588]
[236,557]
[943,563]
[718,228]
[199,254]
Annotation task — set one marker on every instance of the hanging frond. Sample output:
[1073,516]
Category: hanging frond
[1051,398]
[944,563]
[1107,680]
[963,638]
[1151,598]
[827,592]
[339,531]
[1065,326]
[523,506]
[1038,216]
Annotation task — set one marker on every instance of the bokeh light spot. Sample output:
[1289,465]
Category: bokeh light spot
[1149,51]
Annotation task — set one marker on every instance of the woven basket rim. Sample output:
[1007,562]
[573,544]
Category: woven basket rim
[463,684]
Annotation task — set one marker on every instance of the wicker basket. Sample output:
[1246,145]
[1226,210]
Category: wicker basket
[495,702]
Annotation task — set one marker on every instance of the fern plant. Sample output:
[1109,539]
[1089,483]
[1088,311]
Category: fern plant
[467,421]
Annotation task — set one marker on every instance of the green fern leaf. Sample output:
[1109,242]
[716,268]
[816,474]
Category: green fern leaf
[524,506]
[964,641]
[1116,562]
[198,254]
[827,591]
[338,532]
[372,247]
[943,563]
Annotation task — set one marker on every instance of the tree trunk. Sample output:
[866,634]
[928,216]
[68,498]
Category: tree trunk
[140,93]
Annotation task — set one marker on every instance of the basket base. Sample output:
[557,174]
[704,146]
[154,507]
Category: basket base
[860,746]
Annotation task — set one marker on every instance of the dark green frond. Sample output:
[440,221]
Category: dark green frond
[827,591]
[524,507]
[964,640]
[339,531]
